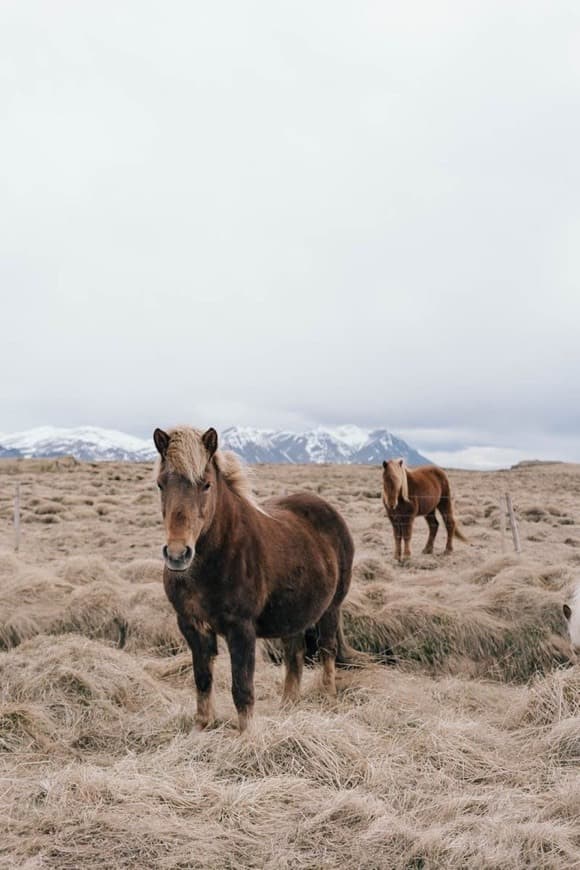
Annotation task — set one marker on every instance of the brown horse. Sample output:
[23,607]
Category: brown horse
[240,571]
[418,492]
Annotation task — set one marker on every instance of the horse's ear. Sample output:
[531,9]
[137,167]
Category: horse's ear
[401,462]
[385,463]
[161,439]
[209,439]
[567,611]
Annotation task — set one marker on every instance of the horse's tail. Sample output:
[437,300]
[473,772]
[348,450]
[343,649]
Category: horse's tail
[346,656]
[457,533]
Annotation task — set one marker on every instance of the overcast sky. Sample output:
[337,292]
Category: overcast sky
[294,213]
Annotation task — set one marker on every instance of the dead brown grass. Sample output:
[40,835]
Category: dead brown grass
[463,752]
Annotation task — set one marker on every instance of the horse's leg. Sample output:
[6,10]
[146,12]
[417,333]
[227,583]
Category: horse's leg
[294,661]
[397,535]
[433,524]
[446,512]
[328,626]
[407,528]
[203,652]
[241,640]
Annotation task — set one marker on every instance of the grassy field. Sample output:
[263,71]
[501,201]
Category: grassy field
[463,751]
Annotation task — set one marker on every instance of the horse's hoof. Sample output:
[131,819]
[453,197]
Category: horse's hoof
[205,713]
[245,719]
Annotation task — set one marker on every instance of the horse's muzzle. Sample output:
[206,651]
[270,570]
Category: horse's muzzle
[178,563]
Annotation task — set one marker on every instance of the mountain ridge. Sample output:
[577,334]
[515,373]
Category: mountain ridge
[346,444]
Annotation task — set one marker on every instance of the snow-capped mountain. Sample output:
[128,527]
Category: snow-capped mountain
[9,452]
[87,443]
[340,444]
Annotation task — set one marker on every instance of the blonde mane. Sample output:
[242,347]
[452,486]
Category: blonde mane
[397,472]
[404,483]
[187,455]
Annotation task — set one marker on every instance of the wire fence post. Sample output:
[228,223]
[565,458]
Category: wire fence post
[513,523]
[17,518]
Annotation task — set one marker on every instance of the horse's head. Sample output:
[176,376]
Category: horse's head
[572,614]
[394,482]
[186,477]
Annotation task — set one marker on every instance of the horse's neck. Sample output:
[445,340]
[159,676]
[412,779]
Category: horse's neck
[231,512]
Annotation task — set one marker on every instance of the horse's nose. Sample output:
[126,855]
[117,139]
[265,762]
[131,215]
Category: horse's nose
[177,557]
[175,551]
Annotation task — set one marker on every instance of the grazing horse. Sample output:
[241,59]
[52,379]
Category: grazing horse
[418,492]
[242,571]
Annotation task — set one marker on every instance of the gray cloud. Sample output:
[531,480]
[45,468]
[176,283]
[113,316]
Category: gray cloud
[283,215]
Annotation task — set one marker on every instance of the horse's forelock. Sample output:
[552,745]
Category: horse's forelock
[186,453]
[188,456]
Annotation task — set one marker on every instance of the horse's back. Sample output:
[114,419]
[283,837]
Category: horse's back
[317,514]
[428,484]
[427,475]
[310,507]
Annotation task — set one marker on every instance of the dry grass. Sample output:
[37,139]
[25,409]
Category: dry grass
[463,752]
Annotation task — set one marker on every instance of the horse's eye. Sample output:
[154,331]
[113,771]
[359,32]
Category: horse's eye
[206,486]
[160,487]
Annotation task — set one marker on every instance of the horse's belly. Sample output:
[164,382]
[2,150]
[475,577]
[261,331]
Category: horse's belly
[285,614]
